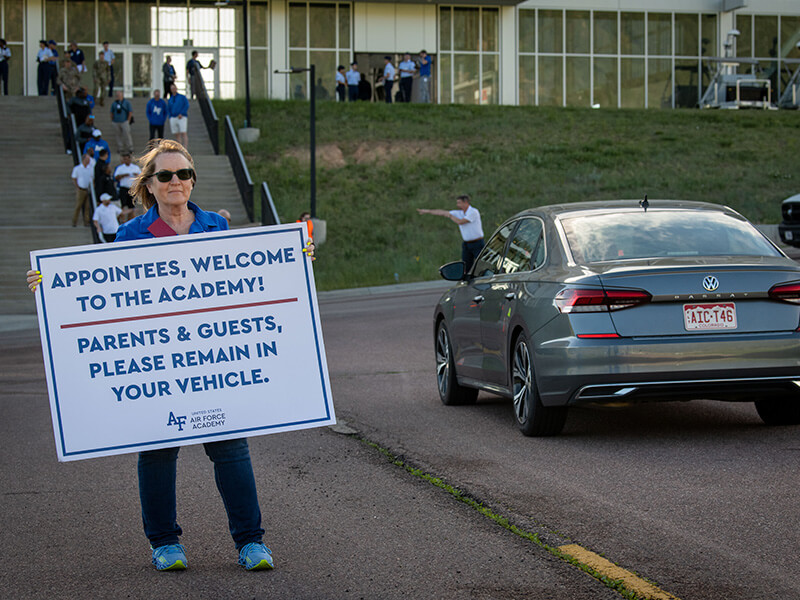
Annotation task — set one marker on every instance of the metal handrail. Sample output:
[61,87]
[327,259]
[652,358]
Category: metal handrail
[67,122]
[269,215]
[240,171]
[207,109]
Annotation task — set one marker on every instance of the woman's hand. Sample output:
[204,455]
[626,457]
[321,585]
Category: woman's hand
[34,279]
[309,250]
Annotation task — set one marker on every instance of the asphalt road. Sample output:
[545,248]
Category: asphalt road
[696,497]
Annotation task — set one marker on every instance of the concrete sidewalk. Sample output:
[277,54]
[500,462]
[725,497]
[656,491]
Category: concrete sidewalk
[342,521]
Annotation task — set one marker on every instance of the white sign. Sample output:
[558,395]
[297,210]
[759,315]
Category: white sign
[181,340]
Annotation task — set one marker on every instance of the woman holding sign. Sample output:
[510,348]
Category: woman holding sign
[164,187]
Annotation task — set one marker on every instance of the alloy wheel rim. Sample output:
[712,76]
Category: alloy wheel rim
[442,361]
[521,379]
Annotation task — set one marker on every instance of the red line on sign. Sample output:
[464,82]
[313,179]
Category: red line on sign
[178,313]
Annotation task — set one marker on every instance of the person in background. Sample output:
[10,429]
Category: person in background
[85,130]
[388,78]
[100,74]
[110,57]
[364,89]
[76,56]
[178,112]
[425,62]
[121,118]
[305,217]
[353,77]
[69,79]
[96,144]
[168,75]
[468,220]
[53,65]
[5,56]
[80,105]
[82,178]
[341,84]
[225,215]
[124,174]
[106,218]
[157,114]
[407,69]
[43,57]
[193,67]
[104,176]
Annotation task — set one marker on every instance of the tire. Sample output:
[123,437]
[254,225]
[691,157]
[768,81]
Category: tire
[533,418]
[779,412]
[450,392]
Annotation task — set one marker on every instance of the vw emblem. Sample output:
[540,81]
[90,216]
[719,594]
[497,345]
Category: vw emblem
[710,283]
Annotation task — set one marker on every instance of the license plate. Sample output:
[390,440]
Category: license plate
[720,315]
[789,235]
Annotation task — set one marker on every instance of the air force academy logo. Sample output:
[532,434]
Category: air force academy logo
[179,421]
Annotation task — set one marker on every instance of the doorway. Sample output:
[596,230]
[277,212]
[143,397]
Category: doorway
[372,64]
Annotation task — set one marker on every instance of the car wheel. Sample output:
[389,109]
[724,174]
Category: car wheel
[450,391]
[533,418]
[779,412]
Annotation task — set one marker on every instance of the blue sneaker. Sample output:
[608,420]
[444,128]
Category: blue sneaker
[255,556]
[171,557]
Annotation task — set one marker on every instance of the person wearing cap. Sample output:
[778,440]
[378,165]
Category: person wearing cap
[388,78]
[157,114]
[353,77]
[124,174]
[341,83]
[82,178]
[68,78]
[407,69]
[425,62]
[97,143]
[5,56]
[100,74]
[106,218]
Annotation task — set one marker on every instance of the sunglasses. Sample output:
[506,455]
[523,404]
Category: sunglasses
[166,176]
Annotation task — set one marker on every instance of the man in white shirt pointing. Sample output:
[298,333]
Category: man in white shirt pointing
[468,220]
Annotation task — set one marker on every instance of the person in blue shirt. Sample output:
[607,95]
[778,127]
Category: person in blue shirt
[178,112]
[407,69]
[164,188]
[94,145]
[353,78]
[425,63]
[53,65]
[388,78]
[43,57]
[76,56]
[157,114]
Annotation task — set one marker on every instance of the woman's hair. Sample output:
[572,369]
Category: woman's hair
[147,162]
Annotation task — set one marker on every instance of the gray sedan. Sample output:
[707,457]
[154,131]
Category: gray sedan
[607,302]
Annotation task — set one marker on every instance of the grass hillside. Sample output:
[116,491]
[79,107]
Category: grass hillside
[377,163]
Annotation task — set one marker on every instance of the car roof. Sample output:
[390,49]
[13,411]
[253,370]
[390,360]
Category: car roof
[603,206]
[790,199]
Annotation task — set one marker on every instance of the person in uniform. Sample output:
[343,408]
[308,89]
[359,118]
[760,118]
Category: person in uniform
[100,74]
[407,69]
[110,57]
[5,56]
[43,57]
[353,78]
[388,78]
[341,84]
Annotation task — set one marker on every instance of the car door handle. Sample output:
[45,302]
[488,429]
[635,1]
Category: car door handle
[510,296]
[478,299]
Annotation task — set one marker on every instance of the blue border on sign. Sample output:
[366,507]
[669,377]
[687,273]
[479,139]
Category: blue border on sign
[182,240]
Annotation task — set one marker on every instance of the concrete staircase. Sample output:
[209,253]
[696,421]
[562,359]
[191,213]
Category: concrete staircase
[37,196]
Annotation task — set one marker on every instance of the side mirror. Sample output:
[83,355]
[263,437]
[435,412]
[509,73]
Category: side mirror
[453,271]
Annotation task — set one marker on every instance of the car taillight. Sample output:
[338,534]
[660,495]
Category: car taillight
[572,300]
[787,292]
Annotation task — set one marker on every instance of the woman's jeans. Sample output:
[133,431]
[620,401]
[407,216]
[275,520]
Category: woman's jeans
[233,474]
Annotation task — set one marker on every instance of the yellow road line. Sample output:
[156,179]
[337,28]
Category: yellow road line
[605,567]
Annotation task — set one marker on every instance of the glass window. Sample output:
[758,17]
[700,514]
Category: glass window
[446,63]
[325,68]
[140,27]
[297,25]
[708,36]
[605,33]
[551,37]
[686,32]
[322,33]
[16,70]
[13,14]
[490,29]
[578,32]
[578,89]
[550,81]
[687,90]
[80,13]
[257,14]
[659,83]
[659,34]
[632,82]
[111,19]
[54,20]
[632,33]
[526,250]
[605,82]
[527,30]
[173,23]
[465,79]
[466,29]
[344,26]
[790,36]
[490,93]
[744,42]
[298,82]
[203,27]
[259,74]
[445,28]
[765,36]
[488,262]
[527,80]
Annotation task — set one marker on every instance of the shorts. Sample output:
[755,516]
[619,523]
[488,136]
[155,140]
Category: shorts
[125,198]
[177,125]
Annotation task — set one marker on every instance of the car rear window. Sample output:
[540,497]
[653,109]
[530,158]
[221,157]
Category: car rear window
[659,233]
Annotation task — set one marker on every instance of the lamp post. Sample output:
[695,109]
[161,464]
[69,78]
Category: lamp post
[313,141]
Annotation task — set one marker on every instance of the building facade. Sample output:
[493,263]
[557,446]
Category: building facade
[611,53]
